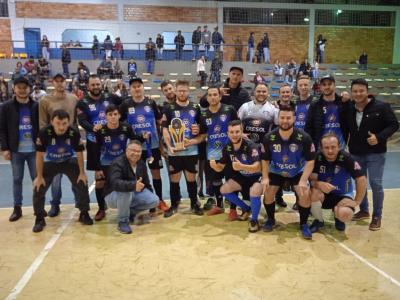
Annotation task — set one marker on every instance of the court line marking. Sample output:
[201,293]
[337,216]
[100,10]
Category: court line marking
[40,258]
[358,256]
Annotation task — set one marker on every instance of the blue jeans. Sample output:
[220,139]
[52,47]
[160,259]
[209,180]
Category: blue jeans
[65,69]
[150,66]
[195,51]
[206,50]
[266,55]
[374,163]
[251,54]
[18,166]
[131,202]
[56,192]
[178,54]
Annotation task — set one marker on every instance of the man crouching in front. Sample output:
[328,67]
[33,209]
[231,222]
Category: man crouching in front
[128,187]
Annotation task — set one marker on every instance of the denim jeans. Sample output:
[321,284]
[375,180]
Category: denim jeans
[206,50]
[374,163]
[150,66]
[160,53]
[56,192]
[251,54]
[65,69]
[18,166]
[266,55]
[178,54]
[195,51]
[131,202]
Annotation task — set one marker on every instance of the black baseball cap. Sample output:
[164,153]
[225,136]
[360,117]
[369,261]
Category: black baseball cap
[236,68]
[135,79]
[21,80]
[59,75]
[328,77]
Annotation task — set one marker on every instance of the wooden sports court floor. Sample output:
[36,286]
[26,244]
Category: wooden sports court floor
[191,257]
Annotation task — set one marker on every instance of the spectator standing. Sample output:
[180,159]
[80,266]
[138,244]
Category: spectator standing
[179,42]
[45,48]
[65,60]
[206,41]
[238,45]
[119,48]
[4,95]
[320,49]
[363,61]
[150,56]
[215,69]
[196,40]
[108,46]
[265,45]
[250,46]
[217,39]
[160,46]
[95,47]
[260,53]
[201,70]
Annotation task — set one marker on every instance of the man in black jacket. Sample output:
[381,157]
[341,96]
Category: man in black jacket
[19,125]
[327,114]
[370,123]
[128,187]
[179,42]
[196,40]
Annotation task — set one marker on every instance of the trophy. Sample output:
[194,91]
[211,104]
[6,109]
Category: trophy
[177,132]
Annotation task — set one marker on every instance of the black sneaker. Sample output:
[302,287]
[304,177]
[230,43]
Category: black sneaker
[254,226]
[339,225]
[280,202]
[316,225]
[170,212]
[16,214]
[54,211]
[39,225]
[197,210]
[201,194]
[85,219]
[209,204]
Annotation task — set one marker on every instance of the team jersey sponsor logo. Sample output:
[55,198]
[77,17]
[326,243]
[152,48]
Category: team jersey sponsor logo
[141,119]
[122,137]
[332,118]
[116,147]
[301,116]
[244,156]
[217,129]
[192,112]
[285,158]
[293,148]
[131,110]
[102,114]
[312,149]
[60,150]
[186,122]
[337,169]
[223,117]
[147,108]
[26,120]
[92,107]
[177,113]
[256,122]
[254,153]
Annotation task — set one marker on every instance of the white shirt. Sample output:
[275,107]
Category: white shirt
[37,96]
[201,66]
[264,111]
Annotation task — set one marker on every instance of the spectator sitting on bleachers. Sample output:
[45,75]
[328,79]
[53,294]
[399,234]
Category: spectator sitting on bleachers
[29,64]
[78,44]
[278,70]
[105,67]
[82,79]
[19,71]
[34,75]
[291,71]
[132,68]
[363,61]
[305,68]
[77,91]
[258,78]
[120,90]
[38,93]
[117,69]
[82,66]
[44,68]
[4,94]
[201,70]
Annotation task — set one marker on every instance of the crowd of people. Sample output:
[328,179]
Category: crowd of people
[255,148]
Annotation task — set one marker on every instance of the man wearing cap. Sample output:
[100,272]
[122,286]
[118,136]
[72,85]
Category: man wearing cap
[232,91]
[144,116]
[19,125]
[327,114]
[58,99]
[371,123]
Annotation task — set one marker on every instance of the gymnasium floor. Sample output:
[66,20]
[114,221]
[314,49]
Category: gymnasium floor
[190,257]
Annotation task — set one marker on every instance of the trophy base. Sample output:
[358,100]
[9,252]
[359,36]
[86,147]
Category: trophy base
[179,147]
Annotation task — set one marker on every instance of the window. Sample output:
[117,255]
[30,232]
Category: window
[3,8]
[266,16]
[355,18]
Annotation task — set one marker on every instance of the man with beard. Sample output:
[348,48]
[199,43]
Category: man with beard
[59,150]
[144,116]
[92,116]
[214,122]
[327,114]
[287,159]
[232,91]
[370,123]
[182,160]
[332,186]
[243,157]
[168,90]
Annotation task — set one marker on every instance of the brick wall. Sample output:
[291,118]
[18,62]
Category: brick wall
[170,14]
[346,44]
[5,37]
[285,41]
[41,10]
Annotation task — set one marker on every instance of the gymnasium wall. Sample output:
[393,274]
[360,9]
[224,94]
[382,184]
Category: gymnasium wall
[5,36]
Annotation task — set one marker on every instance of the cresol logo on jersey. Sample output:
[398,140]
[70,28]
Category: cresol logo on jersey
[141,122]
[26,123]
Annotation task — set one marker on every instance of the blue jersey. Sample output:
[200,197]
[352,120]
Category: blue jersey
[301,113]
[91,113]
[287,157]
[332,121]
[339,173]
[216,127]
[26,143]
[189,114]
[143,117]
[59,148]
[112,142]
[248,153]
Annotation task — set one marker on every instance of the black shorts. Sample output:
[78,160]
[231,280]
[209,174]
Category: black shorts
[182,163]
[92,155]
[211,174]
[157,162]
[331,200]
[278,180]
[202,151]
[245,183]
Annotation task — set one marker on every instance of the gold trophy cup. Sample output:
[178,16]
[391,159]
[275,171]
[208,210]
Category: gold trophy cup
[177,132]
